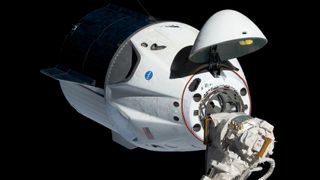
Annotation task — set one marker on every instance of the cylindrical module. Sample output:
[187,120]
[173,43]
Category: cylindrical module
[93,41]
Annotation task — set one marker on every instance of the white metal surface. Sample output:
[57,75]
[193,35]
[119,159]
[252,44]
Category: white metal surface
[142,110]
[149,103]
[234,34]
[87,102]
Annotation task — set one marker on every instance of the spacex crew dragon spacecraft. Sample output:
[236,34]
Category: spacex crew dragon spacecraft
[166,86]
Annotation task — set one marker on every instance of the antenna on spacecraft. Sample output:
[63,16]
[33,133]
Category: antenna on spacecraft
[146,11]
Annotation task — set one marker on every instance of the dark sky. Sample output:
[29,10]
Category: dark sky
[76,146]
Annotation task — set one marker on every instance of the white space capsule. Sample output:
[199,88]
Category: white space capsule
[148,82]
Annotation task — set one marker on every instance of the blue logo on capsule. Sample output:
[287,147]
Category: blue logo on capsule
[148,75]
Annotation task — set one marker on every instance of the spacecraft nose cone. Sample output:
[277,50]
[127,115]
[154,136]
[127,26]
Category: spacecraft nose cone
[231,33]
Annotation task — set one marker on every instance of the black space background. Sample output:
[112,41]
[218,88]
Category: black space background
[71,145]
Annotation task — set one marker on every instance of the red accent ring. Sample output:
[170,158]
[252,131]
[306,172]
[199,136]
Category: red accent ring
[184,90]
